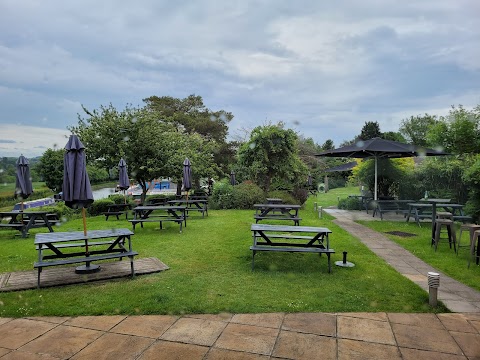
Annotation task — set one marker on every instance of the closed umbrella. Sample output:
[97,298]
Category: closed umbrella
[309,181]
[187,176]
[232,178]
[123,181]
[77,192]
[380,148]
[23,180]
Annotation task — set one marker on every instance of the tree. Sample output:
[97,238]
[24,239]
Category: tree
[151,147]
[415,128]
[328,145]
[192,116]
[271,156]
[393,136]
[458,133]
[50,167]
[370,130]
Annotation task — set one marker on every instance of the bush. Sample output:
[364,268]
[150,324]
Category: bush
[61,210]
[246,194]
[222,195]
[99,207]
[349,203]
[286,197]
[300,194]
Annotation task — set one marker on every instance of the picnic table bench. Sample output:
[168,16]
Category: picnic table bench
[277,212]
[396,206]
[117,210]
[51,248]
[200,205]
[142,214]
[24,221]
[424,210]
[285,238]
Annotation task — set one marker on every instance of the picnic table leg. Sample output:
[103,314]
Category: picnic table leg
[38,277]
[329,264]
[253,259]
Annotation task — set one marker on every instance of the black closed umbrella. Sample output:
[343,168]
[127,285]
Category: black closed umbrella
[23,180]
[187,176]
[309,181]
[380,148]
[77,191]
[123,180]
[233,181]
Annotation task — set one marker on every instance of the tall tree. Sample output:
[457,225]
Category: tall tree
[271,155]
[50,167]
[370,130]
[415,128]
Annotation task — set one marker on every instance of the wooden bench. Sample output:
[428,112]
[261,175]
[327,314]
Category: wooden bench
[117,210]
[159,219]
[396,206]
[295,219]
[265,239]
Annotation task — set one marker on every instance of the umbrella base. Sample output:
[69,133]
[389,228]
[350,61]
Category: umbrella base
[87,269]
[344,264]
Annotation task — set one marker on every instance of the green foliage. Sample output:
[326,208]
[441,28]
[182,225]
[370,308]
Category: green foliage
[50,168]
[415,129]
[471,177]
[458,133]
[62,211]
[98,207]
[349,203]
[97,175]
[300,194]
[38,193]
[286,196]
[370,130]
[271,157]
[222,195]
[246,194]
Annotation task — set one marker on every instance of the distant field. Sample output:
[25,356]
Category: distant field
[9,189]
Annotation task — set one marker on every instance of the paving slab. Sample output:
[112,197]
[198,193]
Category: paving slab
[62,341]
[253,339]
[365,329]
[273,320]
[152,326]
[424,338]
[23,355]
[416,354]
[456,322]
[113,347]
[18,332]
[195,331]
[314,323]
[425,320]
[294,345]
[469,343]
[353,349]
[103,323]
[222,354]
[166,350]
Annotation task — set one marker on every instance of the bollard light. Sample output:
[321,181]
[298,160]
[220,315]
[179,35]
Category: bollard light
[433,285]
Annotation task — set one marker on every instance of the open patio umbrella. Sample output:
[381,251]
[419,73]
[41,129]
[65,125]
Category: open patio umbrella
[77,192]
[187,176]
[123,180]
[380,148]
[233,181]
[23,180]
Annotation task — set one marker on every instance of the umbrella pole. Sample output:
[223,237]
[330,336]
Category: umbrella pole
[375,195]
[87,268]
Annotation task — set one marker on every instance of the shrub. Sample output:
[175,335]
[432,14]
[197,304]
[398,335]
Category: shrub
[61,210]
[246,194]
[286,197]
[99,206]
[222,195]
[349,204]
[300,194]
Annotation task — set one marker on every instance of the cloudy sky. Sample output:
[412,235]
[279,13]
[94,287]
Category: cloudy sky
[322,67]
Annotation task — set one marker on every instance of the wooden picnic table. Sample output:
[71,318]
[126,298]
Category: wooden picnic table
[192,205]
[285,238]
[274,201]
[117,210]
[155,213]
[101,245]
[24,221]
[277,212]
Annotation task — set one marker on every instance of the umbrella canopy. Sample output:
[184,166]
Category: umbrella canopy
[380,148]
[233,181]
[187,175]
[123,180]
[23,180]
[77,191]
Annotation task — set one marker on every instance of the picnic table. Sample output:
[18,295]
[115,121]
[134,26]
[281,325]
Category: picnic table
[285,238]
[277,212]
[192,205]
[396,206]
[24,221]
[274,201]
[424,210]
[364,200]
[159,213]
[117,210]
[64,248]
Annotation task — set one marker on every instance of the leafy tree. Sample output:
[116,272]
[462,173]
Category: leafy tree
[370,130]
[415,128]
[50,167]
[271,156]
[328,145]
[393,136]
[151,147]
[459,132]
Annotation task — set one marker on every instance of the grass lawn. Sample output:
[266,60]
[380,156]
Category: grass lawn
[210,272]
[444,259]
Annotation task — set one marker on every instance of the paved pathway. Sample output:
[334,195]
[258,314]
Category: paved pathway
[244,336]
[456,296]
